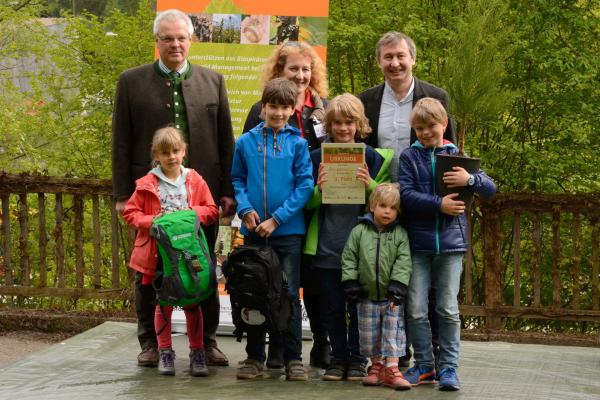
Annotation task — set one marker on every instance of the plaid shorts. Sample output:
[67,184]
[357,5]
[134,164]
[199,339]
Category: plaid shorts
[381,329]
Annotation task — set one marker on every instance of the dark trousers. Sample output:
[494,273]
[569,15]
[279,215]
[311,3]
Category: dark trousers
[313,299]
[341,318]
[145,301]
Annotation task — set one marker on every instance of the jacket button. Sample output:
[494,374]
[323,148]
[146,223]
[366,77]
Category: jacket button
[168,106]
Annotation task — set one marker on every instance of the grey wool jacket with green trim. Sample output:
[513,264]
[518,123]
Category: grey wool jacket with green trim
[374,258]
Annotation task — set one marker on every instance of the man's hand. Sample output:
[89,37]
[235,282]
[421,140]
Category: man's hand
[120,206]
[227,206]
[251,220]
[266,228]
[458,177]
[452,207]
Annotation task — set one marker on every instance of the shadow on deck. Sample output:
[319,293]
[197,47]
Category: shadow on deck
[101,364]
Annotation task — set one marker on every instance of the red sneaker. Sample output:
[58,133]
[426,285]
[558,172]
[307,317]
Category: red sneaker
[375,376]
[392,377]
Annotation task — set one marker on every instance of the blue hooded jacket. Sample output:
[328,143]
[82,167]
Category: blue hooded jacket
[429,230]
[272,175]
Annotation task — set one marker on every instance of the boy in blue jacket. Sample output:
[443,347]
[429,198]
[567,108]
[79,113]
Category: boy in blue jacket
[436,229]
[272,179]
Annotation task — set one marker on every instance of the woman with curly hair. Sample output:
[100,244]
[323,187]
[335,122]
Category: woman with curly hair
[300,63]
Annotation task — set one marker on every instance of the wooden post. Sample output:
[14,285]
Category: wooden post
[6,240]
[576,268]
[492,266]
[468,281]
[595,267]
[24,239]
[58,241]
[517,259]
[42,240]
[556,259]
[78,232]
[97,241]
[114,227]
[537,258]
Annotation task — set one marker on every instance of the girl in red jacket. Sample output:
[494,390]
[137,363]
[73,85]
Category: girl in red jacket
[166,188]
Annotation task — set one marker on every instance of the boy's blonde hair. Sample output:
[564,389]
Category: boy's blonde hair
[347,106]
[273,67]
[165,139]
[428,110]
[387,193]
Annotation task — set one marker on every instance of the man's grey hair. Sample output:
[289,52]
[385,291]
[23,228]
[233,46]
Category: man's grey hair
[172,15]
[395,37]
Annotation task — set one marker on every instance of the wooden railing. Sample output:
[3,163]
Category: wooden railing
[532,256]
[61,238]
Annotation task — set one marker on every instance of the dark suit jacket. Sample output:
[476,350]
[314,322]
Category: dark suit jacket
[143,105]
[371,99]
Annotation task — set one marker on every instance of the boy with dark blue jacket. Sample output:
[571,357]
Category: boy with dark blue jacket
[272,179]
[437,234]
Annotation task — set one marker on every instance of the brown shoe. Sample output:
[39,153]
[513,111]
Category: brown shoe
[148,357]
[215,357]
[375,376]
[392,377]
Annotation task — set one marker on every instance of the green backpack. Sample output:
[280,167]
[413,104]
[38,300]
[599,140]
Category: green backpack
[187,275]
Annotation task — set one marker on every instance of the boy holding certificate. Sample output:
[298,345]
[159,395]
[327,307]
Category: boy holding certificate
[330,226]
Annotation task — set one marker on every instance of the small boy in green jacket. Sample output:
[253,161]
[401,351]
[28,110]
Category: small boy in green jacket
[376,268]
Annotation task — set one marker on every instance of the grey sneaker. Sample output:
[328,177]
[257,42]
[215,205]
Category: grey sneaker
[356,371]
[198,363]
[166,362]
[295,371]
[335,372]
[249,369]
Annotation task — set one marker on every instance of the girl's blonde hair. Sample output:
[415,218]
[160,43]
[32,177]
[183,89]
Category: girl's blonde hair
[273,67]
[428,110]
[347,106]
[166,139]
[386,193]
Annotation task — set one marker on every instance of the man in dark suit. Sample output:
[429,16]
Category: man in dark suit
[388,106]
[193,99]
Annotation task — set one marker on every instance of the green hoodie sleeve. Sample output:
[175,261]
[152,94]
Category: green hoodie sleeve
[350,256]
[402,268]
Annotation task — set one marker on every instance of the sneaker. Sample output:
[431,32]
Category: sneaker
[166,362]
[419,375]
[295,371]
[392,377]
[249,369]
[215,357]
[375,375]
[335,372]
[148,357]
[357,371]
[198,363]
[448,380]
[319,355]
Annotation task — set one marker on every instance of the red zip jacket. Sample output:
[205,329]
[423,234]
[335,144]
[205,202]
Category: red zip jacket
[144,205]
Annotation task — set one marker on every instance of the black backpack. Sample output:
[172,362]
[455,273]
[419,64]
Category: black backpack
[258,290]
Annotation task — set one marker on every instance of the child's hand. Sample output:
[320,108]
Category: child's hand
[458,177]
[157,216]
[396,293]
[266,228]
[362,174]
[452,207]
[322,177]
[251,220]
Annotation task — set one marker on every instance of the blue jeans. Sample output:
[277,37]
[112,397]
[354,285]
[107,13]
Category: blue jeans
[288,249]
[341,318]
[443,272]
